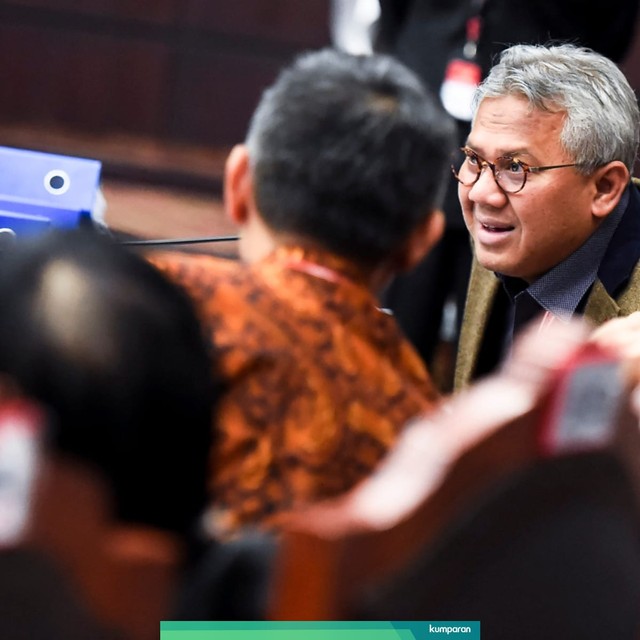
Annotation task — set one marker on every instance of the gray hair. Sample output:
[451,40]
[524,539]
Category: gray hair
[602,122]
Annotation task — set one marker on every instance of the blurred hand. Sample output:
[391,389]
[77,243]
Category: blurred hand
[622,336]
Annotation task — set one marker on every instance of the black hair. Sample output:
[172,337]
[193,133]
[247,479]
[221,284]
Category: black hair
[350,152]
[116,353]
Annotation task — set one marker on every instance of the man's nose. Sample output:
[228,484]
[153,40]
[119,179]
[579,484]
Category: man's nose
[486,189]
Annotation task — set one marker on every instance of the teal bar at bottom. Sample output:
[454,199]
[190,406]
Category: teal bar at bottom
[335,630]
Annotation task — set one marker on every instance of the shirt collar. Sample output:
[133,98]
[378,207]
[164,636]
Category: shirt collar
[560,290]
[317,262]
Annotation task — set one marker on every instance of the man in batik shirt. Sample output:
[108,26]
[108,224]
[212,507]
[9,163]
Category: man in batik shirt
[337,188]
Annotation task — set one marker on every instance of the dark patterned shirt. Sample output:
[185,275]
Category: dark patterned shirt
[320,379]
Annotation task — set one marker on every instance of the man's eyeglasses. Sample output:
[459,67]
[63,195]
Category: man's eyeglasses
[509,173]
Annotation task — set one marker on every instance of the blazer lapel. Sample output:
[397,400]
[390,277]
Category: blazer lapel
[629,300]
[483,285]
[600,305]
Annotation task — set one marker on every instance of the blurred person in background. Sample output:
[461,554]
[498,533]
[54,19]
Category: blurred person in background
[112,353]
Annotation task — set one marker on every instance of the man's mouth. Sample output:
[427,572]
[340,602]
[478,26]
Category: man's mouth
[496,228]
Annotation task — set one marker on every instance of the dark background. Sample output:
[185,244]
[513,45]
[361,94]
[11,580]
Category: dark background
[158,90]
[144,82]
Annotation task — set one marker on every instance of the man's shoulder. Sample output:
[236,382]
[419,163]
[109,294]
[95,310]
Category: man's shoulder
[195,264]
[629,299]
[202,274]
[226,292]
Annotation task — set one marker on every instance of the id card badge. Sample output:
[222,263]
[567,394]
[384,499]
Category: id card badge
[460,81]
[588,397]
[21,425]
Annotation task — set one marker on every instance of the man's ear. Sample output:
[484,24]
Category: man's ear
[610,181]
[238,185]
[422,240]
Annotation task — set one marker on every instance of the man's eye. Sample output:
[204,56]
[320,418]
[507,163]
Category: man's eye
[512,166]
[472,159]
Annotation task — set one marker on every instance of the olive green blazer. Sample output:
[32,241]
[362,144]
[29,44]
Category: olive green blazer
[483,286]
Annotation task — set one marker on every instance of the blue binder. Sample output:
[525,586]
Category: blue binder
[40,191]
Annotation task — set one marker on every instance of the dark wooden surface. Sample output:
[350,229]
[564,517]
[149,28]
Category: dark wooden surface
[186,71]
[158,90]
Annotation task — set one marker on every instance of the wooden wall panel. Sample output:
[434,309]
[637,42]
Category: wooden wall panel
[174,71]
[154,11]
[631,64]
[96,83]
[218,88]
[301,23]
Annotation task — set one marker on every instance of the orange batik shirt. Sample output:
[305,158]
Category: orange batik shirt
[319,379]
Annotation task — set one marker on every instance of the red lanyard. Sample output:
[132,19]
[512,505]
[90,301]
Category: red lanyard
[473,30]
[547,320]
[315,270]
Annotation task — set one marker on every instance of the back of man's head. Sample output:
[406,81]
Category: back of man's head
[349,152]
[115,351]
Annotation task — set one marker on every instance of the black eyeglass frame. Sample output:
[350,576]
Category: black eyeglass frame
[485,163]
